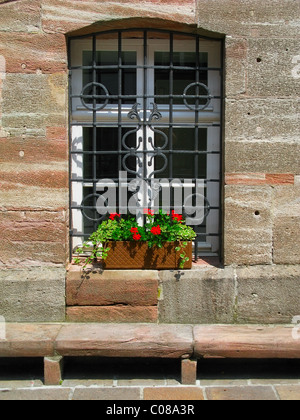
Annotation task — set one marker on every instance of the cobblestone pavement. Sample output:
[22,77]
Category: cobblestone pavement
[123,379]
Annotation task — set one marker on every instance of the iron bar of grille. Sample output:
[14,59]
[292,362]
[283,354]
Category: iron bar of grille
[145,86]
[196,163]
[71,232]
[131,67]
[171,102]
[94,124]
[141,29]
[120,90]
[161,125]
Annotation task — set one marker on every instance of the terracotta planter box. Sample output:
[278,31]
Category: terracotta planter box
[138,256]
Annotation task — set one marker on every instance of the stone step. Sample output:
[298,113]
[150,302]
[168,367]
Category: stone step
[106,288]
[29,340]
[94,295]
[245,342]
[185,342]
[129,340]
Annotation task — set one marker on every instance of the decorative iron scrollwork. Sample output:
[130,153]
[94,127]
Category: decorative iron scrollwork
[134,113]
[207,96]
[155,115]
[153,151]
[84,97]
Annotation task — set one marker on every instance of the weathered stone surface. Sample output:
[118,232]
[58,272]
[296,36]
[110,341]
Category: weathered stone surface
[198,296]
[288,393]
[19,150]
[286,224]
[261,223]
[269,294]
[33,237]
[270,65]
[259,179]
[251,295]
[188,372]
[254,393]
[248,225]
[115,313]
[33,102]
[287,240]
[253,119]
[175,394]
[169,341]
[278,156]
[242,205]
[244,247]
[236,65]
[29,340]
[34,53]
[75,15]
[53,370]
[280,179]
[35,125]
[34,394]
[107,394]
[33,254]
[33,294]
[250,18]
[22,16]
[33,231]
[135,288]
[111,296]
[255,342]
[33,198]
[35,94]
[18,217]
[287,200]
[35,177]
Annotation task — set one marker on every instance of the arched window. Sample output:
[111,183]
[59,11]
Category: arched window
[145,116]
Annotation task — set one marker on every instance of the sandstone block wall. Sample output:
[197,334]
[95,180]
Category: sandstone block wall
[261,191]
[261,140]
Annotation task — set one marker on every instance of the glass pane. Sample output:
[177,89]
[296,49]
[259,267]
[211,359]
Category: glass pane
[103,166]
[109,77]
[182,78]
[107,164]
[184,161]
[90,215]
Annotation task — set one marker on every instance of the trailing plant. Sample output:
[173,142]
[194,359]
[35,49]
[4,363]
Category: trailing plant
[159,228]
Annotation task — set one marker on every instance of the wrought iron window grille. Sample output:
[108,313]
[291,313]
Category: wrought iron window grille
[144,124]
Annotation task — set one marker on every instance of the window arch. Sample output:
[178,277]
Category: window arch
[145,109]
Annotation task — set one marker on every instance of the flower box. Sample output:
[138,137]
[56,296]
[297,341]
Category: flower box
[163,243]
[138,256]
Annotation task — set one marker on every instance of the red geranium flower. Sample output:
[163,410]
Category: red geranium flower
[149,212]
[156,230]
[113,216]
[176,217]
[137,237]
[134,230]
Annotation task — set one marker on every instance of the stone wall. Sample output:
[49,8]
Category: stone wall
[262,159]
[243,295]
[261,150]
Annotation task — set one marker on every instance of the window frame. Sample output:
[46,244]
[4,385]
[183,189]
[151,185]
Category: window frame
[211,117]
